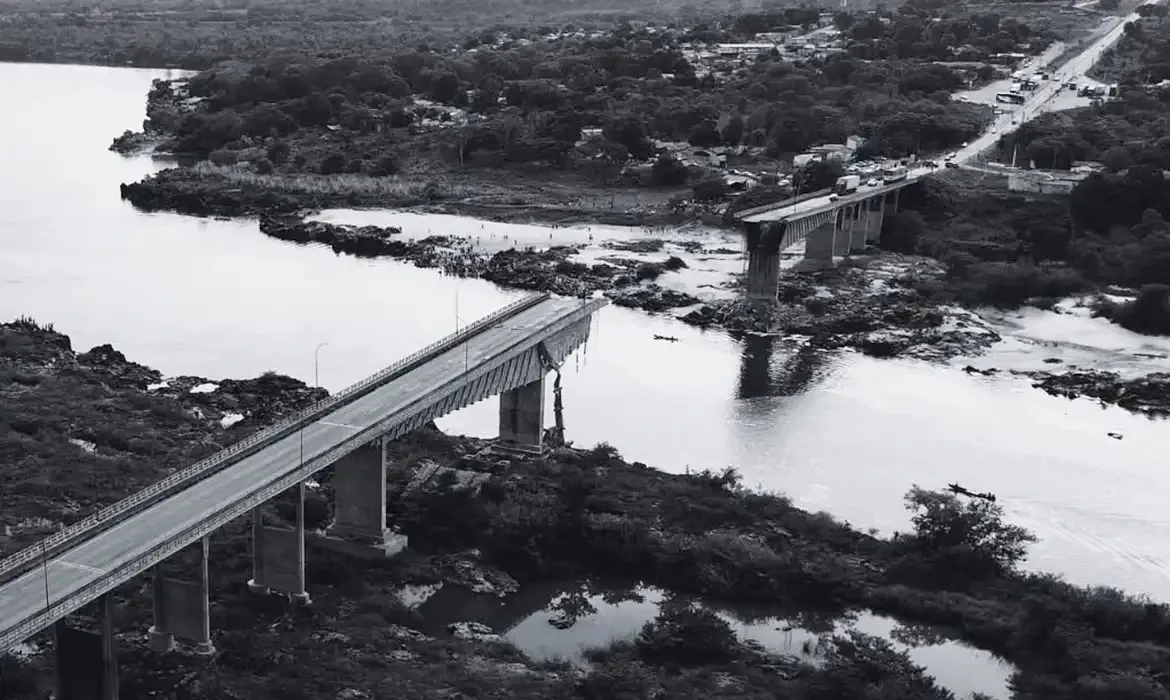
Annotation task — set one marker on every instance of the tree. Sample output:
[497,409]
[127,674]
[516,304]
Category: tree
[705,134]
[668,172]
[445,88]
[630,132]
[710,189]
[333,164]
[733,132]
[968,538]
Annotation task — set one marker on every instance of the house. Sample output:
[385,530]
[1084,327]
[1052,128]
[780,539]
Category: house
[1059,182]
[745,50]
[804,159]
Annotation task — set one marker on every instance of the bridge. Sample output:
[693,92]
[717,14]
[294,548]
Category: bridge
[508,353]
[829,226]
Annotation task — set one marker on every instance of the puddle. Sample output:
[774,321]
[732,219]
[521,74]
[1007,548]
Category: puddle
[552,621]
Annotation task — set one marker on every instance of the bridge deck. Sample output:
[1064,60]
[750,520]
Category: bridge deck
[83,564]
[812,207]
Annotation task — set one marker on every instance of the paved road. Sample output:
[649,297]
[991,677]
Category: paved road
[1072,70]
[80,566]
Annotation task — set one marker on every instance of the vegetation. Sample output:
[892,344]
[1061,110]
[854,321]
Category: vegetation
[581,514]
[1007,248]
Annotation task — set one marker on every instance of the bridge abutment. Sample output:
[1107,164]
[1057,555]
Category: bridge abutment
[278,554]
[182,608]
[522,417]
[87,664]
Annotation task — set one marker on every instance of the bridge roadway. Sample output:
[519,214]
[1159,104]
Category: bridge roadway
[819,205]
[74,575]
[1073,69]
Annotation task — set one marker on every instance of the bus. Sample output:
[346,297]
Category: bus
[1014,98]
[890,175]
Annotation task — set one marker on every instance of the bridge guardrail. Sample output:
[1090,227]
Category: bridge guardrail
[763,208]
[253,441]
[261,494]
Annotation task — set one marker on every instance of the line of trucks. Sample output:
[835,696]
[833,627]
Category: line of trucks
[851,183]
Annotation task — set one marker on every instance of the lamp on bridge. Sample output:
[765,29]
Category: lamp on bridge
[317,365]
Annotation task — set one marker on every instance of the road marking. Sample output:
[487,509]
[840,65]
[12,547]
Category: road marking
[340,425]
[82,567]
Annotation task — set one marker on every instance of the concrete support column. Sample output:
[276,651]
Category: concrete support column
[278,554]
[109,647]
[763,274]
[879,216]
[522,416]
[841,236]
[764,242]
[859,231]
[161,640]
[256,583]
[182,608]
[87,664]
[819,245]
[359,490]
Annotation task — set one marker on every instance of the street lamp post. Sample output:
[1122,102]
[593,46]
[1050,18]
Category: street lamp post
[317,365]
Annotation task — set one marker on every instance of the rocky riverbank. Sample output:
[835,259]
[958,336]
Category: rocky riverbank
[1149,394]
[208,190]
[82,428]
[628,282]
[868,303]
[488,523]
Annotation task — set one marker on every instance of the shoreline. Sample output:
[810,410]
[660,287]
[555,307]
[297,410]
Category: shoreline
[576,514]
[879,303]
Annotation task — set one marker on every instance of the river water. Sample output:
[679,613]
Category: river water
[842,433]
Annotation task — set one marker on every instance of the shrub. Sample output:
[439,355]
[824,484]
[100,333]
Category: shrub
[687,635]
[963,540]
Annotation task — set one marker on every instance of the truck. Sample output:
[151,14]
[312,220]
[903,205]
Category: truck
[847,183]
[893,175]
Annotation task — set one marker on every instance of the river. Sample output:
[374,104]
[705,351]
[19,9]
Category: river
[842,433]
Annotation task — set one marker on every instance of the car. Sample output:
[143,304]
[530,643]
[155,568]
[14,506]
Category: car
[952,164]
[872,182]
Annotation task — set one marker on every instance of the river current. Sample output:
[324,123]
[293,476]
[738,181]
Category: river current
[842,433]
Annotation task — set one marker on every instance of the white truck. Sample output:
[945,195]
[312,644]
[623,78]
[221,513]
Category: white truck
[846,184]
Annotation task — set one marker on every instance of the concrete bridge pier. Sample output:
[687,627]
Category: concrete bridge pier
[278,554]
[763,272]
[359,505]
[877,214]
[87,664]
[859,227]
[819,246]
[841,235]
[522,417]
[182,608]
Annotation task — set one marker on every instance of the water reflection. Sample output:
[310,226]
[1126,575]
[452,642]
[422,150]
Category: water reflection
[795,374]
[563,621]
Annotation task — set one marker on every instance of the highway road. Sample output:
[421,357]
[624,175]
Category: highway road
[83,564]
[1072,70]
